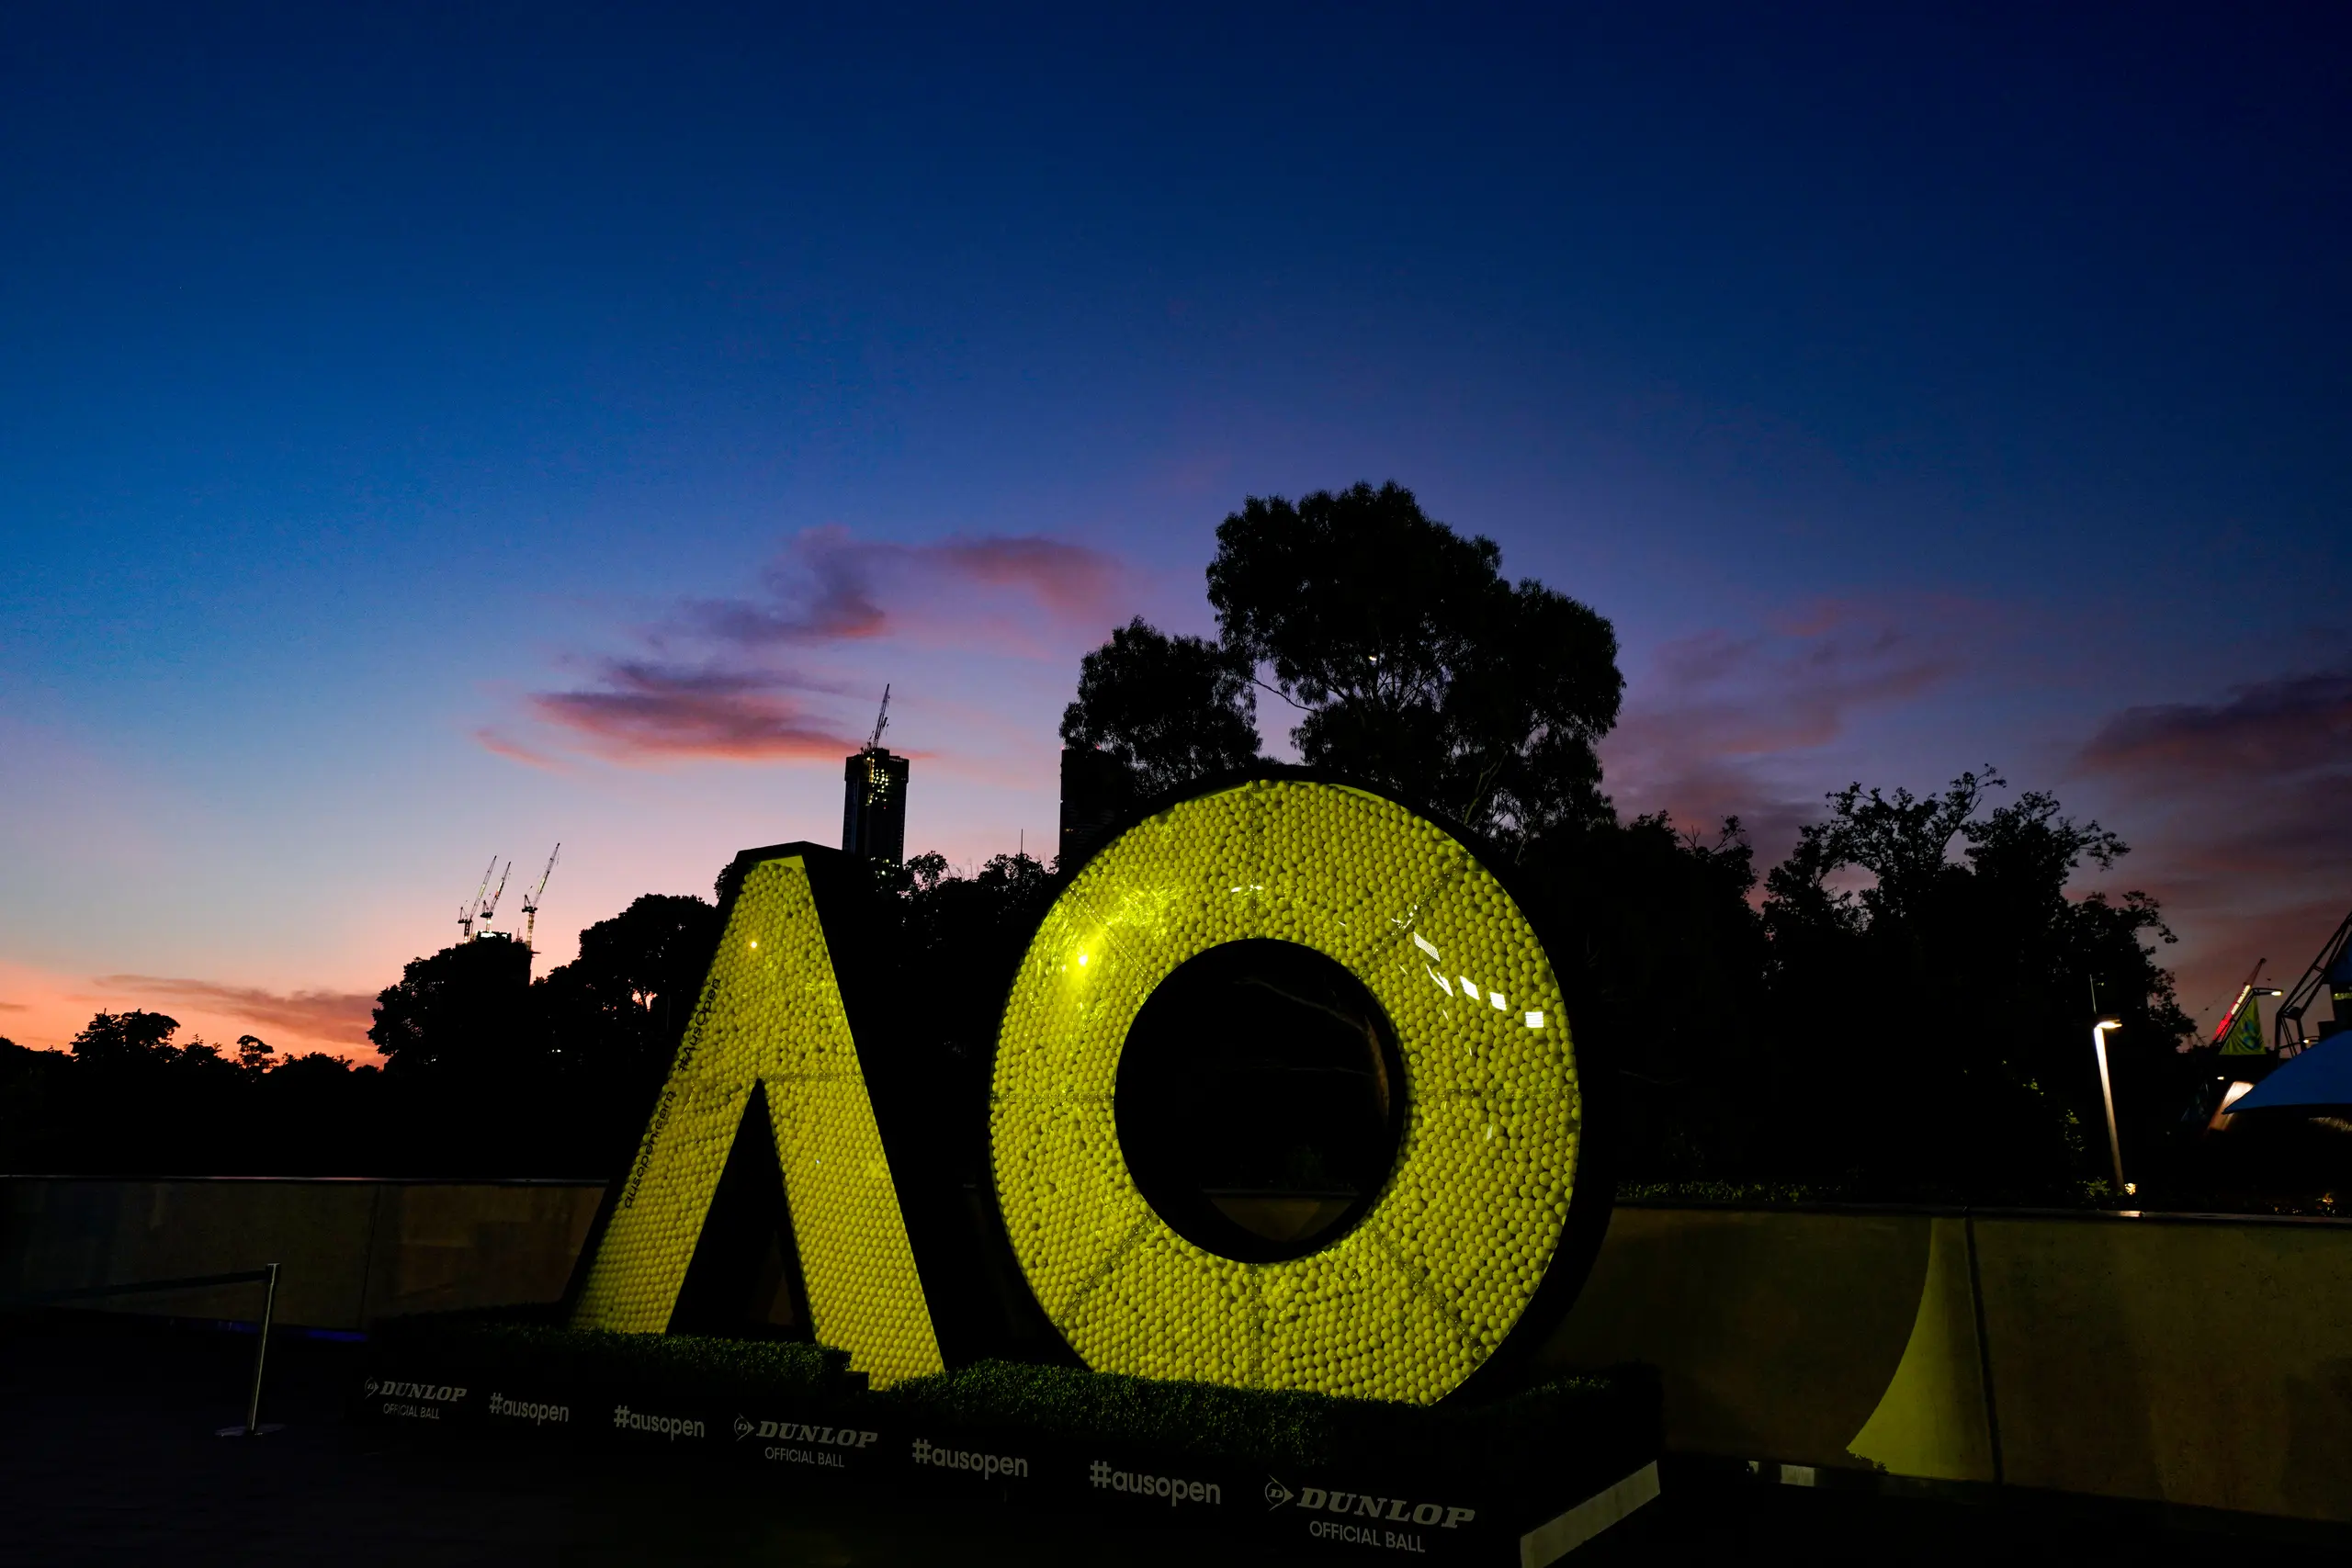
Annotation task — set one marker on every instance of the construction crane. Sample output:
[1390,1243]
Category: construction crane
[2329,972]
[531,900]
[881,722]
[467,911]
[490,906]
[2237,1004]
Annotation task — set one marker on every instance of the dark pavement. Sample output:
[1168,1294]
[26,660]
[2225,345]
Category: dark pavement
[107,1457]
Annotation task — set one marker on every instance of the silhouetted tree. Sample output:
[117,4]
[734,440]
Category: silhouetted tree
[485,1073]
[950,942]
[38,1120]
[1932,989]
[624,1003]
[1417,664]
[463,1008]
[654,954]
[1168,708]
[960,938]
[612,1019]
[131,1039]
[1661,955]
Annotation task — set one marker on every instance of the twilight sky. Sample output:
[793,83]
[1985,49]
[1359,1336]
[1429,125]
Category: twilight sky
[439,431]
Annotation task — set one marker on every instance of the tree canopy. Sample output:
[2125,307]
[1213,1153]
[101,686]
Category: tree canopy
[128,1097]
[623,1002]
[1415,663]
[462,1006]
[123,1039]
[1168,708]
[1926,957]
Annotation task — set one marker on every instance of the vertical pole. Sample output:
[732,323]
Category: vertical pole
[2107,1094]
[261,1352]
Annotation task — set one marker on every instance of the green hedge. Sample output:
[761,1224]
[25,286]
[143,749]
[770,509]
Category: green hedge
[1273,1427]
[1540,1427]
[521,1344]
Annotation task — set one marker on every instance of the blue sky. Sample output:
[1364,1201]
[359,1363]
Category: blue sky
[427,431]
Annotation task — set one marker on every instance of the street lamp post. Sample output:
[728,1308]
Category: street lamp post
[2107,1094]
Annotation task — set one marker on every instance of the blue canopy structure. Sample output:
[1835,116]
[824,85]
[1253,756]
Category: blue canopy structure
[2321,1076]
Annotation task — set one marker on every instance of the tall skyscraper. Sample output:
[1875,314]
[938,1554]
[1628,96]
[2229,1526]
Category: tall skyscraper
[874,804]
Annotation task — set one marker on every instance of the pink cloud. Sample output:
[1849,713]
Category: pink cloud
[829,586]
[1707,727]
[47,1009]
[514,751]
[819,590]
[340,1017]
[2288,725]
[712,689]
[1751,696]
[1069,579]
[644,712]
[2247,834]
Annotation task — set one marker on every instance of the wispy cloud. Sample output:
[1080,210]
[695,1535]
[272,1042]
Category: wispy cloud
[829,586]
[641,711]
[712,684]
[822,589]
[2291,726]
[339,1017]
[492,740]
[2248,833]
[1713,726]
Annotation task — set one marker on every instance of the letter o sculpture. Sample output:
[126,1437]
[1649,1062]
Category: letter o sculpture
[1423,1289]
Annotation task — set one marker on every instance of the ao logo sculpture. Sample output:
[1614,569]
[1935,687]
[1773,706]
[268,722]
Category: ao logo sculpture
[1483,1225]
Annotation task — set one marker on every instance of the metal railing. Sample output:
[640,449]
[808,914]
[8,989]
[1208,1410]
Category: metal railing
[264,1275]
